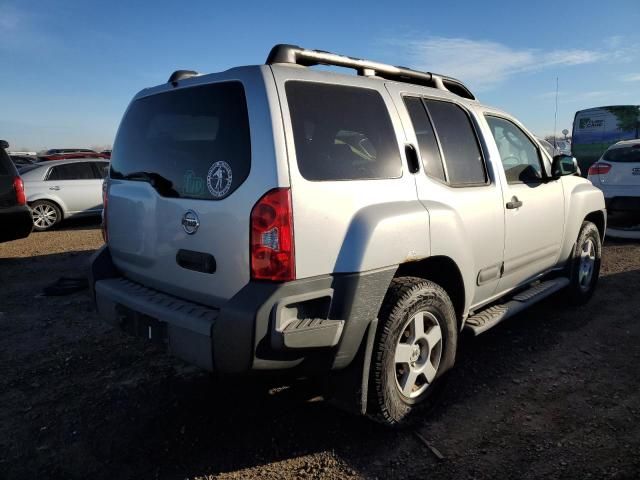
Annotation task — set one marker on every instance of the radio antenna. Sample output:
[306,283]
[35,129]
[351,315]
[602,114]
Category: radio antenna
[555,122]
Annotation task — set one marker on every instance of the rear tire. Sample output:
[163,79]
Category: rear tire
[584,267]
[415,345]
[45,215]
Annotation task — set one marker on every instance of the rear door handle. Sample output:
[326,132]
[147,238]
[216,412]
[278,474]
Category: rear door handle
[54,188]
[514,203]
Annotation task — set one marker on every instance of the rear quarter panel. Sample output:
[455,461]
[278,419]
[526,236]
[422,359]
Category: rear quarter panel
[353,225]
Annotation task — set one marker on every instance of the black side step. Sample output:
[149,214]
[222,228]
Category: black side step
[491,316]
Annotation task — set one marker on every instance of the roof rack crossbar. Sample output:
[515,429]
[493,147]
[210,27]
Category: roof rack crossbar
[293,54]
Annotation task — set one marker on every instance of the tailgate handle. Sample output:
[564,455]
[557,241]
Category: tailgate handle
[197,261]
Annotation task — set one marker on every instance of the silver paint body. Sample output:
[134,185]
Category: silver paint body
[74,197]
[350,226]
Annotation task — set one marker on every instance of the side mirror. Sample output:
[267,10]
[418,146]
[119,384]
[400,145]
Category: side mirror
[4,144]
[563,165]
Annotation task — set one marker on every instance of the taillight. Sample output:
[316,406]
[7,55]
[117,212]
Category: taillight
[105,197]
[272,252]
[599,168]
[18,186]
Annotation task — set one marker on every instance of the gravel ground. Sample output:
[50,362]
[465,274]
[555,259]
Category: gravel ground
[553,393]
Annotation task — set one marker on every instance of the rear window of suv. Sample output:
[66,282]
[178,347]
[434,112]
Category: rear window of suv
[189,143]
[342,133]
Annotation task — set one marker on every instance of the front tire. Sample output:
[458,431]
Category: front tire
[585,264]
[415,345]
[45,215]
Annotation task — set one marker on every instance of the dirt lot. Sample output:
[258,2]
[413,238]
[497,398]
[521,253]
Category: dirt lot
[553,393]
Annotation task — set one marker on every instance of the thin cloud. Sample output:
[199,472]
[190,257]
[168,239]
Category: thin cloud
[10,18]
[486,64]
[22,32]
[565,97]
[632,77]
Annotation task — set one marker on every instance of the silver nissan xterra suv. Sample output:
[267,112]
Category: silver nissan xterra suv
[278,217]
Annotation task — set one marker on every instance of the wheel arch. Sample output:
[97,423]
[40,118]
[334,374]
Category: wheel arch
[598,218]
[50,200]
[445,272]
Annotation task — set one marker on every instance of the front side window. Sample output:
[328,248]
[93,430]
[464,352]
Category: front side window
[342,133]
[519,155]
[462,154]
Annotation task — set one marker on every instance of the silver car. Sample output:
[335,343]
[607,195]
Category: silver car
[60,189]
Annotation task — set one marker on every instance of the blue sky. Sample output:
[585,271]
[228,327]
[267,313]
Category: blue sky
[68,69]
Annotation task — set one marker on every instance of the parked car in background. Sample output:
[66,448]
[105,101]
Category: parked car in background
[617,174]
[69,153]
[61,189]
[24,152]
[15,217]
[106,153]
[595,129]
[550,149]
[22,160]
[563,146]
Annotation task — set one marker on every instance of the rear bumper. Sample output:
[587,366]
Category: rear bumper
[623,212]
[315,324]
[15,223]
[623,204]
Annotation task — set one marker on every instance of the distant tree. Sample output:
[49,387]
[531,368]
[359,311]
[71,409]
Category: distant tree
[628,117]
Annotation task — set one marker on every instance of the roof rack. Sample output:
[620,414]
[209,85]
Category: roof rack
[293,54]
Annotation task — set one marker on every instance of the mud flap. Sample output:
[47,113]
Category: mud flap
[348,389]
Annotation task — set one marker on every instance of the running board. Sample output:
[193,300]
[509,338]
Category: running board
[489,317]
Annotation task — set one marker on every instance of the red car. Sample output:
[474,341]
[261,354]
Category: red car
[67,153]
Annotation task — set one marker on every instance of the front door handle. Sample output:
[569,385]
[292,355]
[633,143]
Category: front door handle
[514,203]
[54,188]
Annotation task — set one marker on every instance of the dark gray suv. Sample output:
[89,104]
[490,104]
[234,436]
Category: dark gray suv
[15,217]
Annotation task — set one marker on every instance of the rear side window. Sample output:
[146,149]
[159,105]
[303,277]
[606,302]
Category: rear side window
[459,143]
[427,142]
[623,155]
[72,171]
[101,169]
[189,143]
[342,133]
[4,163]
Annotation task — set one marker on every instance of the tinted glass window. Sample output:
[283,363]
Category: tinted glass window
[459,144]
[519,155]
[342,133]
[623,155]
[102,169]
[72,171]
[191,142]
[427,143]
[5,162]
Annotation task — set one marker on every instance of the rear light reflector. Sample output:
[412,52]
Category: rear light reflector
[599,168]
[272,250]
[18,186]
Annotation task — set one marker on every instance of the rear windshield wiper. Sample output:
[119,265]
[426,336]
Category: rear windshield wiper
[163,185]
